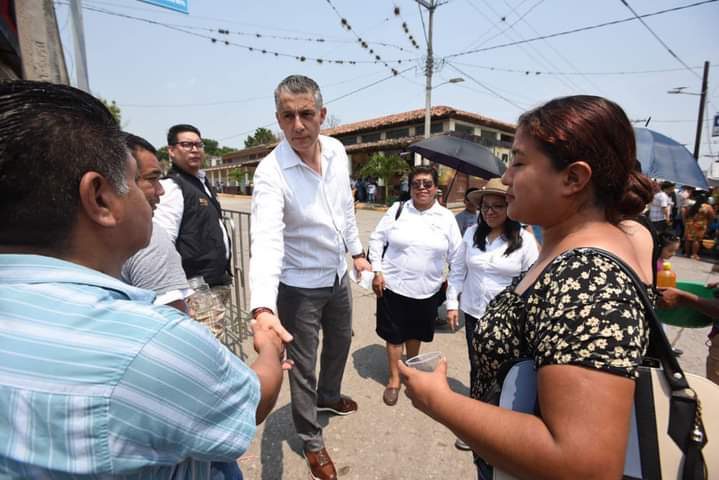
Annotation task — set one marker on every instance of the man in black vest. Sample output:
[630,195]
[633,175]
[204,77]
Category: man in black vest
[190,212]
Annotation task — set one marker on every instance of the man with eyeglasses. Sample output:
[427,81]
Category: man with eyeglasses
[157,267]
[191,213]
[303,226]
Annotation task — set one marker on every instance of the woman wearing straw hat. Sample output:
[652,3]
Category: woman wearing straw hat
[493,252]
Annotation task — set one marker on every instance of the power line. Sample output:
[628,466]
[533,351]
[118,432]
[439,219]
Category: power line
[529,71]
[424,27]
[504,19]
[493,92]
[197,17]
[250,48]
[345,95]
[556,51]
[225,102]
[479,40]
[534,54]
[367,86]
[405,28]
[662,42]
[577,30]
[363,43]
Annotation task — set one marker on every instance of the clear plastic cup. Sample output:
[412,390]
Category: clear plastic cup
[366,279]
[425,362]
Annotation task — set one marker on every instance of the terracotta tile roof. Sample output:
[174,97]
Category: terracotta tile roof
[413,116]
[383,144]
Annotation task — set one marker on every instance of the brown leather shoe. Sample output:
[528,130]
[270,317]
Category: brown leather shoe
[390,396]
[321,466]
[345,406]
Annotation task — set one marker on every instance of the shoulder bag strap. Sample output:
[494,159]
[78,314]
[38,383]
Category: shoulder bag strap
[396,216]
[685,425]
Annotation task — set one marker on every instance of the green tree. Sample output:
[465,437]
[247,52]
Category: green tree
[114,109]
[162,154]
[384,167]
[237,175]
[262,136]
[213,148]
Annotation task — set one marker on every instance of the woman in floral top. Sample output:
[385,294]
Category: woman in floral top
[575,313]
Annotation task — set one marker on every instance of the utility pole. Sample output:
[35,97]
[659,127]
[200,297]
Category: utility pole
[80,54]
[38,51]
[702,100]
[431,6]
[700,119]
[429,66]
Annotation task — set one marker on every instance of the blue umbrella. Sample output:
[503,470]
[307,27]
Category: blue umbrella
[662,157]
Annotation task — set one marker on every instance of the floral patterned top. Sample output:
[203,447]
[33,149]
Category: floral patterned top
[582,310]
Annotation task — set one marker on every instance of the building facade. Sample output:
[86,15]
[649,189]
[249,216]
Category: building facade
[388,135]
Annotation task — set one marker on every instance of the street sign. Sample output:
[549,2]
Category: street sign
[182,6]
[715,129]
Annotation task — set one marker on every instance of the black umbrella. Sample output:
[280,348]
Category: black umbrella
[463,155]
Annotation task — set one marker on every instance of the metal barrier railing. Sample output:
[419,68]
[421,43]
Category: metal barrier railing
[237,314]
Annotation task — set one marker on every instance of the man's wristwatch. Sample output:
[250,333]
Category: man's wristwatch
[359,255]
[258,310]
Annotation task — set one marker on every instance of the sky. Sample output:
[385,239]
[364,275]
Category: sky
[162,67]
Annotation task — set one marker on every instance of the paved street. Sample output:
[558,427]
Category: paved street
[381,442]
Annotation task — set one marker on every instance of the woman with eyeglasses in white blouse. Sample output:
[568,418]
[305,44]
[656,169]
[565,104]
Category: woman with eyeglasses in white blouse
[493,252]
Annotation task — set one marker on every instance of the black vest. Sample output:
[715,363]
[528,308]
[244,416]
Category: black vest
[200,240]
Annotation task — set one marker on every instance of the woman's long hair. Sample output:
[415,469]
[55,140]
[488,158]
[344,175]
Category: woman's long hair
[511,230]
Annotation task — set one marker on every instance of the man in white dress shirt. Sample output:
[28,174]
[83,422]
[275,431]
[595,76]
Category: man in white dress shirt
[303,226]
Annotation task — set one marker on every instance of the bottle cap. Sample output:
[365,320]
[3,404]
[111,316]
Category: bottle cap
[667,266]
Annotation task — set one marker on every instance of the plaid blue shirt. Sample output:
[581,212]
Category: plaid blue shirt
[97,382]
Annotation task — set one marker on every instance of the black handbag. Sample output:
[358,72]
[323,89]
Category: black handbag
[669,438]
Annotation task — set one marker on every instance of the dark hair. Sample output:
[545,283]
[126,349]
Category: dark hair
[666,185]
[133,142]
[665,238]
[176,129]
[424,170]
[50,136]
[699,200]
[597,131]
[469,190]
[511,229]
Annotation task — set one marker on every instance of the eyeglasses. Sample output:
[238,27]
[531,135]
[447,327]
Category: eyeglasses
[495,208]
[189,145]
[417,184]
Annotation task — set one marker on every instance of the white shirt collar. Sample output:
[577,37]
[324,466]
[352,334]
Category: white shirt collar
[289,157]
[433,209]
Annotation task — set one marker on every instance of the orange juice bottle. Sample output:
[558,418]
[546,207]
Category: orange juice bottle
[666,278]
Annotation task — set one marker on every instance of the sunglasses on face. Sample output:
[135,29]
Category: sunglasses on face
[494,208]
[417,184]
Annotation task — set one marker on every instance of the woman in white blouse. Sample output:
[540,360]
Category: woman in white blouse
[409,251]
[493,252]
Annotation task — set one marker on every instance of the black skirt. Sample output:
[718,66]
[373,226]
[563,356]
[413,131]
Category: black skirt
[401,318]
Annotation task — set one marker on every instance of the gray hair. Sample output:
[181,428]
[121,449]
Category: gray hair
[296,85]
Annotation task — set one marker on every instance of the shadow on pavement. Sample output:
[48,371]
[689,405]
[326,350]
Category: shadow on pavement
[280,428]
[371,362]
